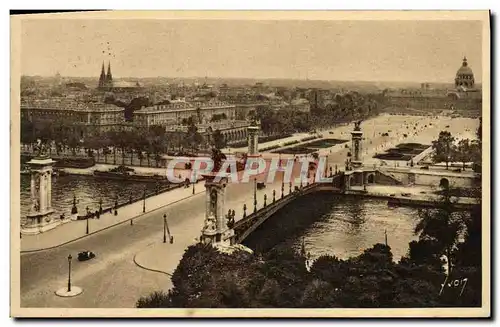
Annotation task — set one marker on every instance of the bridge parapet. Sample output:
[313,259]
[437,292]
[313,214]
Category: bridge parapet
[245,226]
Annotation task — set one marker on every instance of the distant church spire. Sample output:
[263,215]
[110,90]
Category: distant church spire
[102,78]
[109,77]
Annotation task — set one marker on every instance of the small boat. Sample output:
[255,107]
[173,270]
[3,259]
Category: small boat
[128,174]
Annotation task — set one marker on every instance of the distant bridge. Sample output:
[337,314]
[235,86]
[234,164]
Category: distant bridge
[343,183]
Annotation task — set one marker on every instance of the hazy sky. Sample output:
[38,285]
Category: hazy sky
[327,50]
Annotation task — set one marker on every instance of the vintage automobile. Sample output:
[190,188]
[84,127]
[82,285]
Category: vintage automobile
[85,255]
[406,194]
[261,185]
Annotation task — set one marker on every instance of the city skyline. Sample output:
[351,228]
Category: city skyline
[372,51]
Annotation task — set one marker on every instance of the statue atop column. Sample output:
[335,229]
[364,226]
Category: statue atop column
[217,157]
[40,149]
[357,125]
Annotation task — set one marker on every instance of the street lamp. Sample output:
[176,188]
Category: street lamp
[74,210]
[164,228]
[144,200]
[194,181]
[87,230]
[69,272]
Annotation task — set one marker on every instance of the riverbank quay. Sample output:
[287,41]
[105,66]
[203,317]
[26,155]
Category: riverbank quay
[411,196]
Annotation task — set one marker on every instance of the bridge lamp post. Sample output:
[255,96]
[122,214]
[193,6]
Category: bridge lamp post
[69,272]
[255,195]
[274,196]
[282,189]
[265,200]
[116,205]
[290,188]
[87,229]
[194,181]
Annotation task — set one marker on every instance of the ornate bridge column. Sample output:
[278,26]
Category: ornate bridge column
[215,229]
[357,137]
[40,217]
[253,139]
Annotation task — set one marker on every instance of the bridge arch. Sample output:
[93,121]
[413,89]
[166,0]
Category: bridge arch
[444,183]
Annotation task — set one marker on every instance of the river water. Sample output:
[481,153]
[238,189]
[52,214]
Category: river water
[327,224]
[88,191]
[343,226]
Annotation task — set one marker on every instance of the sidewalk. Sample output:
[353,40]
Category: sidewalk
[74,230]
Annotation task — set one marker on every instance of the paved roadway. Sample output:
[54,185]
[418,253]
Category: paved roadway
[113,280]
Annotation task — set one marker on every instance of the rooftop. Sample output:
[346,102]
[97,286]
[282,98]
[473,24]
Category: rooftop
[67,104]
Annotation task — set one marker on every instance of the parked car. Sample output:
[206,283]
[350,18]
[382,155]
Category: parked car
[261,185]
[406,194]
[85,255]
[425,167]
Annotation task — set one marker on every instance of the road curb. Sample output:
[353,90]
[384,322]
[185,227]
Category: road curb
[106,228]
[146,268]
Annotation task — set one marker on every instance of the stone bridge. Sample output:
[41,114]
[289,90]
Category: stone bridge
[245,226]
[342,183]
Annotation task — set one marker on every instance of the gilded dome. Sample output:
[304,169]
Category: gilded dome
[464,69]
[465,76]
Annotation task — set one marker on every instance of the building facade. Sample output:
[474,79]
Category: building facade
[174,112]
[86,118]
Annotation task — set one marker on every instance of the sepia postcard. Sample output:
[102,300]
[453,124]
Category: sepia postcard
[250,164]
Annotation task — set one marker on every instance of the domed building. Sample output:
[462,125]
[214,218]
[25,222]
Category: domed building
[465,76]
